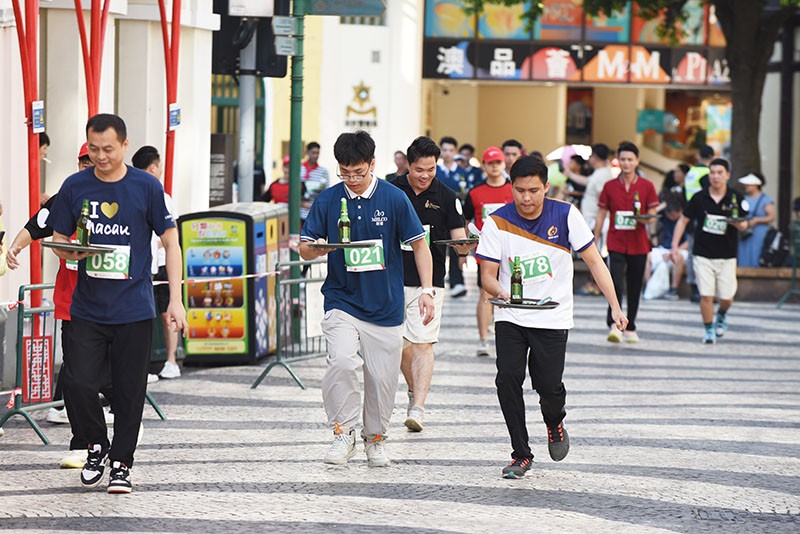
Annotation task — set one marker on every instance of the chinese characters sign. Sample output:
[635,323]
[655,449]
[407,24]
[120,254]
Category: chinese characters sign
[566,44]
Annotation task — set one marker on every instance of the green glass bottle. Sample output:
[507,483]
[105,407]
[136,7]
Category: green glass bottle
[344,223]
[734,208]
[516,282]
[82,231]
[637,204]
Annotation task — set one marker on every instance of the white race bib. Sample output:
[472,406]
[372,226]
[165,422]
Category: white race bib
[365,258]
[623,220]
[715,224]
[488,209]
[112,265]
[427,228]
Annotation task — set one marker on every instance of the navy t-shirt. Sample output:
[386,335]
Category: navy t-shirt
[382,212]
[126,213]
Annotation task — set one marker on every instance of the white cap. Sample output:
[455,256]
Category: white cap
[750,179]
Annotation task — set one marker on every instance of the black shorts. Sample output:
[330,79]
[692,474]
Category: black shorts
[161,291]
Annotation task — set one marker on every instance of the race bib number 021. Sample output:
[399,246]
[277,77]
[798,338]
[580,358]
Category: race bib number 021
[367,258]
[112,265]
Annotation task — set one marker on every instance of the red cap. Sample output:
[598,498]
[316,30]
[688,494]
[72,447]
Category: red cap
[285,160]
[493,154]
[84,151]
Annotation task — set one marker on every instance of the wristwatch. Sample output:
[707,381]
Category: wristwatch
[429,291]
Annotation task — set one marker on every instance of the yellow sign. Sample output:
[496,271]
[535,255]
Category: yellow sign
[358,113]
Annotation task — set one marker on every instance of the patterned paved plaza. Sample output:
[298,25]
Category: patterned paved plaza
[668,435]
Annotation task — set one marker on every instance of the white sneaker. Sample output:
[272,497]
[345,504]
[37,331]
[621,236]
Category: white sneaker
[342,449]
[614,335]
[170,370]
[151,378]
[108,414]
[414,420]
[483,349]
[376,453]
[73,460]
[459,290]
[57,416]
[630,336]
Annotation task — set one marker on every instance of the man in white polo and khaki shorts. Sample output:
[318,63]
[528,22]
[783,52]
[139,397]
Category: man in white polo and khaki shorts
[716,211]
[440,212]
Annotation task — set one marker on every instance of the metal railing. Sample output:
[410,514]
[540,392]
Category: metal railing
[35,360]
[298,318]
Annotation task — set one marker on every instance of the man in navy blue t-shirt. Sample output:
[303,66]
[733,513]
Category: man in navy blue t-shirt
[364,298]
[112,306]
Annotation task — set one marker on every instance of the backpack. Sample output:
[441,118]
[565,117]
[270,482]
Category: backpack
[775,250]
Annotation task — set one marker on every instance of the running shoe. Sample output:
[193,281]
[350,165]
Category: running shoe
[557,442]
[151,378]
[170,370]
[721,325]
[376,452]
[483,349]
[672,294]
[517,468]
[614,335]
[342,449]
[92,471]
[57,416]
[458,291]
[119,480]
[630,336]
[710,337]
[414,420]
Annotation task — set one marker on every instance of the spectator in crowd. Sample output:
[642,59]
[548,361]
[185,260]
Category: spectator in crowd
[672,190]
[314,176]
[761,213]
[512,150]
[601,174]
[278,191]
[472,175]
[401,163]
[661,254]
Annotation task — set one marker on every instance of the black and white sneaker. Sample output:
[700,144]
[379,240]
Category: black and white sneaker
[119,481]
[92,471]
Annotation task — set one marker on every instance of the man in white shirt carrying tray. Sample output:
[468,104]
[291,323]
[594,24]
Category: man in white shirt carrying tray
[541,232]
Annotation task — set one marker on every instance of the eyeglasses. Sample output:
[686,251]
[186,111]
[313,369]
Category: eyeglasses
[352,177]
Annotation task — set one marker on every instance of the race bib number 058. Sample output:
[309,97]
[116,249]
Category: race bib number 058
[367,258]
[112,265]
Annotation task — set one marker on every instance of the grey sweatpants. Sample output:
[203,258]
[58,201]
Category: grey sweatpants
[352,344]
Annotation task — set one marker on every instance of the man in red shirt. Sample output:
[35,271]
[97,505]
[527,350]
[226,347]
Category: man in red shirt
[481,201]
[628,239]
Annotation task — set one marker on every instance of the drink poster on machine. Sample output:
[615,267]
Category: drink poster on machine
[215,249]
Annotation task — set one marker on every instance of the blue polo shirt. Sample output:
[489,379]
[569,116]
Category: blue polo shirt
[382,212]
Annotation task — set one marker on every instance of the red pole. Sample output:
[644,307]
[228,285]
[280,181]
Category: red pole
[171,55]
[91,96]
[27,32]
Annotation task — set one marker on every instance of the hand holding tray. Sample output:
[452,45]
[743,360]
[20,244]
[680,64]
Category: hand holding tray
[456,242]
[644,217]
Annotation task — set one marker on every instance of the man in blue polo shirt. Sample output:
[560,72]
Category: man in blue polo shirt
[364,297]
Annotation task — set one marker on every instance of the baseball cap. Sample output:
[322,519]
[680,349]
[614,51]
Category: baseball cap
[750,179]
[285,160]
[84,151]
[459,157]
[493,154]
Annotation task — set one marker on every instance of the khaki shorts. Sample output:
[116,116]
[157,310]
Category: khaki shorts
[413,329]
[715,277]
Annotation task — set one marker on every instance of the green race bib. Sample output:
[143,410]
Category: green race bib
[536,269]
[623,220]
[427,228]
[367,258]
[715,224]
[113,265]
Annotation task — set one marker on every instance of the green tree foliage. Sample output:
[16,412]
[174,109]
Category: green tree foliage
[751,28]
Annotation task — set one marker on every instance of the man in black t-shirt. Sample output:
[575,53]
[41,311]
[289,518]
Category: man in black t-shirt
[439,210]
[718,212]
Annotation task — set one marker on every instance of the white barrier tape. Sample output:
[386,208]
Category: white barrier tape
[219,278]
[10,305]
[12,393]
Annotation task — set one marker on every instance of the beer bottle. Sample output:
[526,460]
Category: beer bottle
[734,207]
[82,231]
[516,282]
[344,223]
[637,204]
